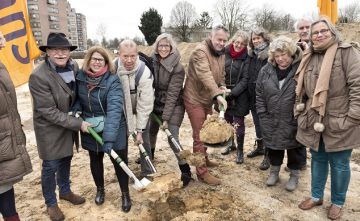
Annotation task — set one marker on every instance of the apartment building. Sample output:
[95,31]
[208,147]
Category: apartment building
[56,16]
[81,31]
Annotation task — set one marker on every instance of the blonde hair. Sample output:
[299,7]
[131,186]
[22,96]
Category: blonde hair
[166,36]
[281,44]
[104,53]
[244,35]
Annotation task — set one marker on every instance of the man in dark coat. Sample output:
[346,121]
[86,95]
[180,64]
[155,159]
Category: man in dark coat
[52,86]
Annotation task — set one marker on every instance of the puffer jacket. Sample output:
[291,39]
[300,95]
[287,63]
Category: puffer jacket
[205,75]
[109,92]
[342,114]
[236,79]
[169,77]
[255,64]
[274,106]
[14,159]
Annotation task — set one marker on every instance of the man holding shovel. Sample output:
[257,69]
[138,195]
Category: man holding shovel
[205,83]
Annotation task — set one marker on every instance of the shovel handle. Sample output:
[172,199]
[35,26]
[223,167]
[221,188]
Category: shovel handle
[95,135]
[156,118]
[146,155]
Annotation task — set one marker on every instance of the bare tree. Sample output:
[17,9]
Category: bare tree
[266,17]
[233,14]
[183,20]
[350,13]
[286,22]
[101,32]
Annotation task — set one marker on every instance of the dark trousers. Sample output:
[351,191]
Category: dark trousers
[256,121]
[97,169]
[7,203]
[295,158]
[238,124]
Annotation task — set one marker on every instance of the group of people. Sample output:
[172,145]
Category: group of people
[300,94]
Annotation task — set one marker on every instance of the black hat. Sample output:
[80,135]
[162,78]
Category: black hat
[57,40]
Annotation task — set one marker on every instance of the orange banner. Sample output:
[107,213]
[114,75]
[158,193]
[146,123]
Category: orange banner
[328,8]
[21,48]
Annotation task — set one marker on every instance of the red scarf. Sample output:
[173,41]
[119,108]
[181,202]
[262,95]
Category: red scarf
[93,79]
[235,54]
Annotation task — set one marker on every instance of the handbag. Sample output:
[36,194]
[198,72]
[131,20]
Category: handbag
[97,123]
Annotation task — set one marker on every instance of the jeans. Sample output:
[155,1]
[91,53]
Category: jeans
[197,115]
[295,158]
[153,129]
[7,203]
[340,173]
[256,121]
[61,169]
[145,168]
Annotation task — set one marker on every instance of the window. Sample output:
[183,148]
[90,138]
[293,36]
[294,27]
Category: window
[37,33]
[53,18]
[35,24]
[55,26]
[52,2]
[53,10]
[34,15]
[33,7]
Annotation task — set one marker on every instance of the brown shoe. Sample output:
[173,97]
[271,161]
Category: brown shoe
[209,179]
[309,204]
[211,163]
[334,212]
[73,198]
[55,213]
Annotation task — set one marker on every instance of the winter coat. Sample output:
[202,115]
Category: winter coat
[109,92]
[169,77]
[255,64]
[342,114]
[236,79]
[205,75]
[274,106]
[14,159]
[52,99]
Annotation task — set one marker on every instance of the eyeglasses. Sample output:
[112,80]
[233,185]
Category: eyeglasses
[322,32]
[100,60]
[239,43]
[164,46]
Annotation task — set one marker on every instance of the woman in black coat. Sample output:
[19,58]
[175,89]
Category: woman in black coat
[275,99]
[236,80]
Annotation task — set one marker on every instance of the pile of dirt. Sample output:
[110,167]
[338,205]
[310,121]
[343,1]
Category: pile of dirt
[216,130]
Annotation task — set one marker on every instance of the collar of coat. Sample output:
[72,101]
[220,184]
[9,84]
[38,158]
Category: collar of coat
[122,71]
[262,54]
[170,61]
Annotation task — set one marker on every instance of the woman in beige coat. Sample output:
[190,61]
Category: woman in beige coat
[14,159]
[328,112]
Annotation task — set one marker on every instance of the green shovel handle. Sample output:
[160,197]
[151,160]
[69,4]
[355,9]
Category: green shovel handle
[95,135]
[156,118]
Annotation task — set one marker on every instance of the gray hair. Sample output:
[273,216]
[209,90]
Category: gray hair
[244,35]
[127,43]
[166,36]
[281,44]
[260,32]
[303,19]
[333,30]
[219,27]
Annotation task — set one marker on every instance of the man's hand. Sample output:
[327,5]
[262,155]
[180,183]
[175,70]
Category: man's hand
[221,101]
[139,139]
[84,126]
[164,125]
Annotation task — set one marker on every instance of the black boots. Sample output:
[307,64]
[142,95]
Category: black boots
[185,174]
[265,164]
[240,150]
[126,202]
[230,148]
[100,196]
[258,148]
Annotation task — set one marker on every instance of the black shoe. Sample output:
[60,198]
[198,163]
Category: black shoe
[100,196]
[152,153]
[240,156]
[230,148]
[185,174]
[126,202]
[265,164]
[258,149]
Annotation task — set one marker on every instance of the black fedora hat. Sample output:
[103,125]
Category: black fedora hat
[57,40]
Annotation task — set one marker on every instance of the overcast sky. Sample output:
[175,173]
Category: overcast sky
[122,18]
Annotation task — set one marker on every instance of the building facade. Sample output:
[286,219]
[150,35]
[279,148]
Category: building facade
[56,16]
[81,31]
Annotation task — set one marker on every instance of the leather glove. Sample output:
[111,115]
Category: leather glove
[107,147]
[221,101]
[165,125]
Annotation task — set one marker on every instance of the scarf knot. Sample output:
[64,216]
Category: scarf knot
[236,54]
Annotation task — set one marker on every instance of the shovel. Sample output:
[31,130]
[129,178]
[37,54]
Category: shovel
[138,184]
[144,153]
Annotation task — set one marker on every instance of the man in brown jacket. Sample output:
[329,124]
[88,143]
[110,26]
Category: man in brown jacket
[52,86]
[205,83]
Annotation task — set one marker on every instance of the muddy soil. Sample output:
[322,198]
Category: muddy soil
[243,194]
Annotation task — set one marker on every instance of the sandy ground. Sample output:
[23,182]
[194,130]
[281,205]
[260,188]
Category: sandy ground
[242,196]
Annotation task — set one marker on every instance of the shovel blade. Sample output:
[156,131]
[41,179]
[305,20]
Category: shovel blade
[141,184]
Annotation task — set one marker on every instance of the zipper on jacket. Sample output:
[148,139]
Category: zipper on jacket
[232,61]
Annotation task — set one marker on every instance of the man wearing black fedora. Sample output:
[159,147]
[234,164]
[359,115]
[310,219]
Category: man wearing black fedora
[52,86]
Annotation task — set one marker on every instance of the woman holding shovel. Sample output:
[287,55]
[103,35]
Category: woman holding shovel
[100,101]
[169,77]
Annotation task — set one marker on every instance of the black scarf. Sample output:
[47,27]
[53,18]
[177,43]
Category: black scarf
[281,74]
[212,49]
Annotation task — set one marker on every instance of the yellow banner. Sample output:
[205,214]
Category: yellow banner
[21,48]
[328,8]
